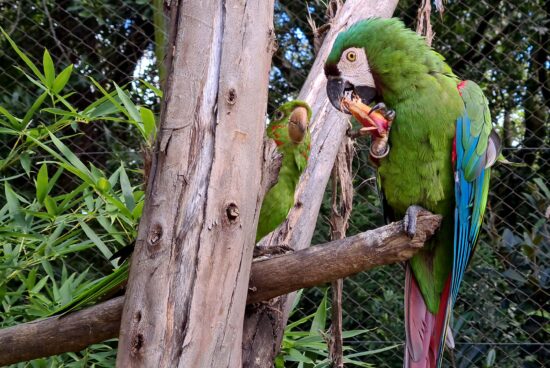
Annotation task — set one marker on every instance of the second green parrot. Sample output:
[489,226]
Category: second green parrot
[289,129]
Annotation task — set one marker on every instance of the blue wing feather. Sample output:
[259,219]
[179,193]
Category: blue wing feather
[472,172]
[470,181]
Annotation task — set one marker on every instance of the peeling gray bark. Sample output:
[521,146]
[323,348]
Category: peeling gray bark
[189,275]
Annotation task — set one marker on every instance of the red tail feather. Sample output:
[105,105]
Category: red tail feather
[424,330]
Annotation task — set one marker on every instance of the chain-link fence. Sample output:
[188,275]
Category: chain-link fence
[502,313]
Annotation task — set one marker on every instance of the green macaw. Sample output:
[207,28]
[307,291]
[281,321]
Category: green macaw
[289,129]
[438,157]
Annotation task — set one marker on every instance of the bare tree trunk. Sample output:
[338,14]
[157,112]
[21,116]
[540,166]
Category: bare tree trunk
[263,328]
[188,281]
[269,278]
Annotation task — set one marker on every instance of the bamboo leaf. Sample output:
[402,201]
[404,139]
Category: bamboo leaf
[25,160]
[131,108]
[295,356]
[371,352]
[16,123]
[149,125]
[34,107]
[319,320]
[126,189]
[49,70]
[62,79]
[24,57]
[51,205]
[14,207]
[71,157]
[40,285]
[155,90]
[42,183]
[96,240]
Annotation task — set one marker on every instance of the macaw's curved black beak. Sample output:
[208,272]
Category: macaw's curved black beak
[337,88]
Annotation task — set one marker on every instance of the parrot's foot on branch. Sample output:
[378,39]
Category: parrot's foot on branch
[272,250]
[409,221]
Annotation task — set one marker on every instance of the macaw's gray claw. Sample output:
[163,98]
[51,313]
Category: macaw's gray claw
[390,115]
[409,221]
[380,106]
[383,109]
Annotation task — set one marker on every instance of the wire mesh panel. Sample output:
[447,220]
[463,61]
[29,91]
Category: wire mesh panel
[502,314]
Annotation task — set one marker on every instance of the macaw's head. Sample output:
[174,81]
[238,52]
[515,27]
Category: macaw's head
[376,58]
[350,76]
[289,123]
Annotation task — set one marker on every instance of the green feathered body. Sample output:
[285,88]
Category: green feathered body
[421,88]
[280,198]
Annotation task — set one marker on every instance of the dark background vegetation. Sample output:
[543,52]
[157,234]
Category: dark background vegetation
[503,312]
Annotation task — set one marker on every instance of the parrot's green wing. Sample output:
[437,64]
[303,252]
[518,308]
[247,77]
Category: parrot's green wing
[275,207]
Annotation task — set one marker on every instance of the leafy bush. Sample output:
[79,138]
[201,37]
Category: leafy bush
[308,348]
[62,218]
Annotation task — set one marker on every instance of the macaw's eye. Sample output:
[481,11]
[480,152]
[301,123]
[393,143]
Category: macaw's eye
[351,56]
[278,115]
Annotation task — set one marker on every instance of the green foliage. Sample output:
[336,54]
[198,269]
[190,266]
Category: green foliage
[304,347]
[47,229]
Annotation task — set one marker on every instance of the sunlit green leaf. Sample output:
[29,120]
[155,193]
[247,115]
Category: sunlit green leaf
[62,79]
[49,70]
[130,107]
[157,91]
[25,160]
[319,320]
[51,205]
[149,125]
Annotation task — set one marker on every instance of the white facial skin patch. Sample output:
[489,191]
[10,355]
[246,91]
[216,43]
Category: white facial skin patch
[354,67]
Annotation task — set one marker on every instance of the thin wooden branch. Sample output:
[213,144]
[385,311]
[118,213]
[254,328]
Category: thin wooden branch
[269,278]
[336,260]
[56,335]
